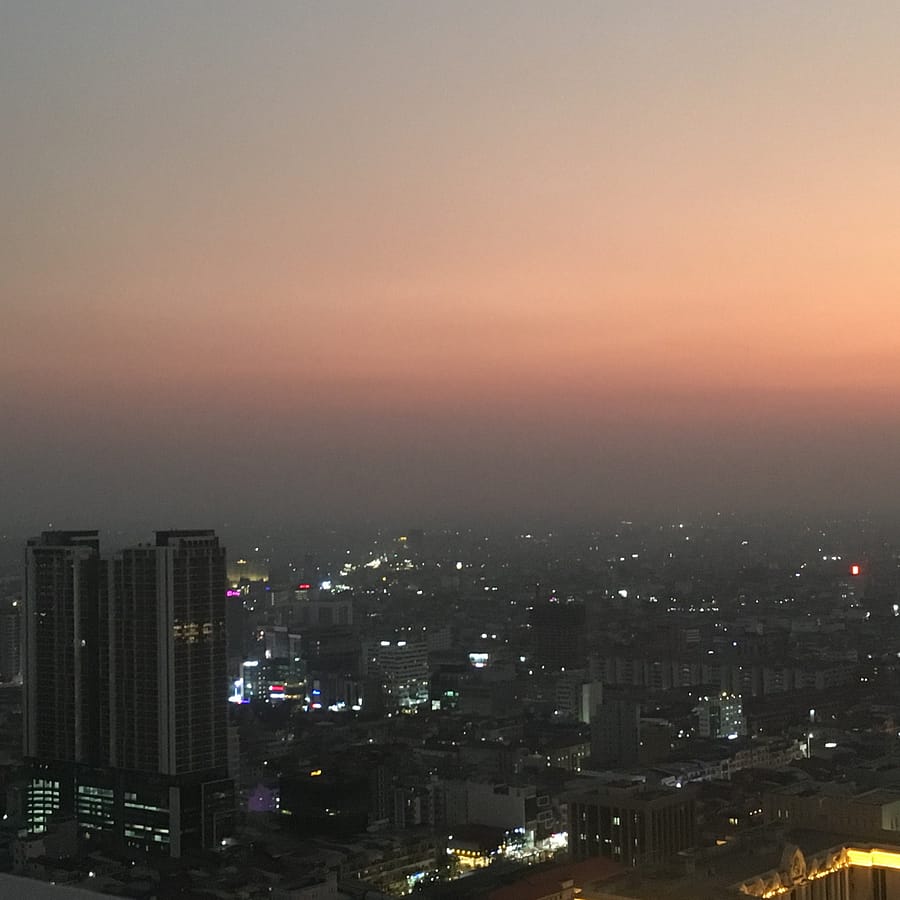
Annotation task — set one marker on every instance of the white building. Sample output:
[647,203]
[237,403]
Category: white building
[404,672]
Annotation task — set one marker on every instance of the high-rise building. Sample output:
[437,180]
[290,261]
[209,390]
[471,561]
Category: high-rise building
[125,680]
[167,660]
[65,707]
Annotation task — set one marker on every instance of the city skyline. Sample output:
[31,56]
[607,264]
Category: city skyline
[423,262]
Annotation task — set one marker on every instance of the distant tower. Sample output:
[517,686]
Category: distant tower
[10,642]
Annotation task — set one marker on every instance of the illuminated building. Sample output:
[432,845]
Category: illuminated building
[851,871]
[721,716]
[125,671]
[848,870]
[590,701]
[404,672]
[475,846]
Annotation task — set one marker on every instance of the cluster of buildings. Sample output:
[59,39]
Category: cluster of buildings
[637,714]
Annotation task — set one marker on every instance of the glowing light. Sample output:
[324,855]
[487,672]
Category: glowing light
[855,569]
[315,773]
[304,586]
[882,859]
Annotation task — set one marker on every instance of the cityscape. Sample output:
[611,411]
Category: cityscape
[449,450]
[703,708]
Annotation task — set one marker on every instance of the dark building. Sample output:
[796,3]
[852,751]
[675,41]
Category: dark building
[66,708]
[632,826]
[334,802]
[168,667]
[125,688]
[10,641]
[616,733]
[558,635]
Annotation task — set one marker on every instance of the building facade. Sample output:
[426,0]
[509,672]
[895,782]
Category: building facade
[632,826]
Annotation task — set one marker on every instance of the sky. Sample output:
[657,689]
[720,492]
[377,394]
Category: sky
[427,262]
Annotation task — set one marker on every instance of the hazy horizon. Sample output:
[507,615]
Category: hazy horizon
[427,263]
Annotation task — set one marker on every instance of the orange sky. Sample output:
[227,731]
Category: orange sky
[633,237]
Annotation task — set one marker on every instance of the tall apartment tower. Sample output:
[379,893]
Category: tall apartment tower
[65,708]
[168,655]
[125,681]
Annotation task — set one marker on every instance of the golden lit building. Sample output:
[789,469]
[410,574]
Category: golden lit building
[847,872]
[851,870]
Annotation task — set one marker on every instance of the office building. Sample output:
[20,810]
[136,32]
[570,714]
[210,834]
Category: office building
[632,826]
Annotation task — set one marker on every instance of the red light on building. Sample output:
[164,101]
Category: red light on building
[855,569]
[304,587]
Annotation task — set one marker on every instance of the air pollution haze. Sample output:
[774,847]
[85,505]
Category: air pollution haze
[447,261]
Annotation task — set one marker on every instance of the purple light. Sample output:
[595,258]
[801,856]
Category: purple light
[230,593]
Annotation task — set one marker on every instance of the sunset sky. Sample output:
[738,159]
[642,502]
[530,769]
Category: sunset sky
[447,261]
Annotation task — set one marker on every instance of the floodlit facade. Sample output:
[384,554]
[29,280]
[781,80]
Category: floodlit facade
[849,871]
